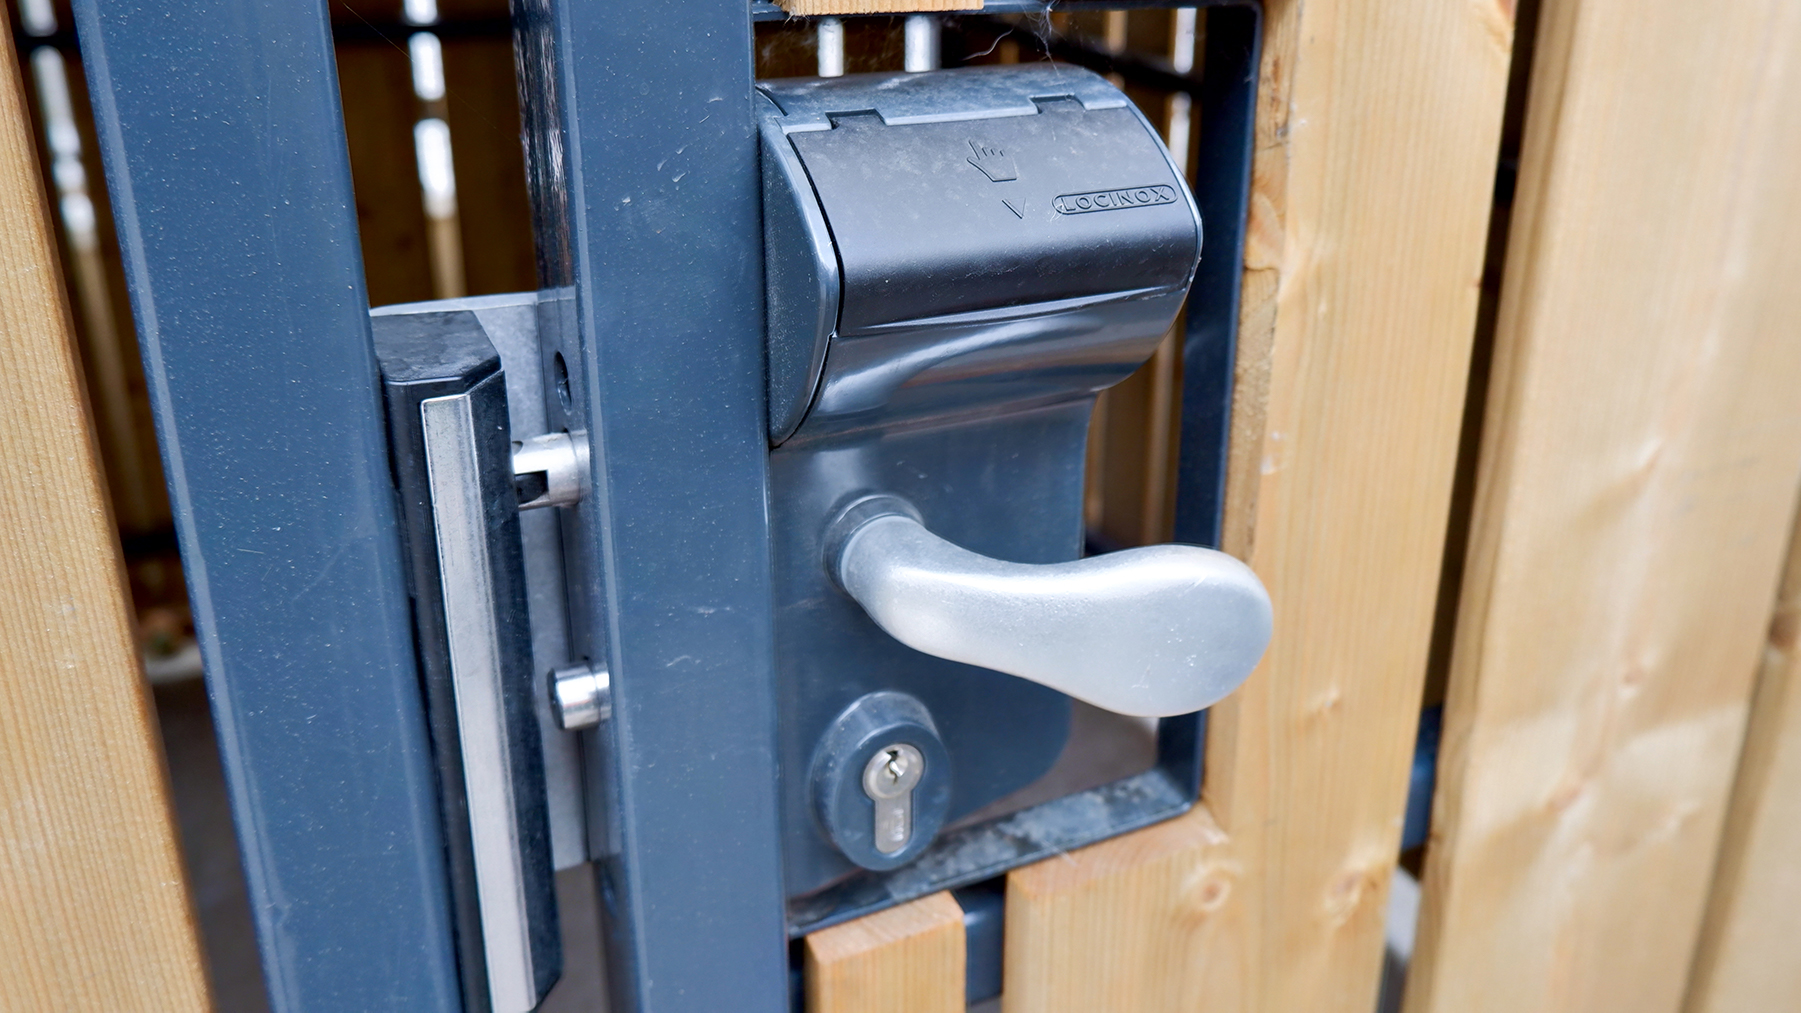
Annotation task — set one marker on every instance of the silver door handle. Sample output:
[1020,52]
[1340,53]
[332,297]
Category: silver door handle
[1154,631]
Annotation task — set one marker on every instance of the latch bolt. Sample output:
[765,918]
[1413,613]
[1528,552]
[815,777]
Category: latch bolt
[581,697]
[549,470]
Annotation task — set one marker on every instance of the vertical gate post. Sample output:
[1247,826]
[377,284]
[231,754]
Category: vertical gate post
[220,127]
[643,163]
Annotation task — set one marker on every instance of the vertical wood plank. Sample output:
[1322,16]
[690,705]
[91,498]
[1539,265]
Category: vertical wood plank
[1642,449]
[94,910]
[482,108]
[906,959]
[1376,140]
[1746,959]
[376,82]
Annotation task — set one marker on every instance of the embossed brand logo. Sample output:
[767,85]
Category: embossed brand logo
[1112,200]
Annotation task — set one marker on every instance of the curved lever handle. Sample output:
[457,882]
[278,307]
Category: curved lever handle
[1152,632]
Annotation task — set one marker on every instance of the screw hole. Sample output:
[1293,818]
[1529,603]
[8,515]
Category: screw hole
[561,369]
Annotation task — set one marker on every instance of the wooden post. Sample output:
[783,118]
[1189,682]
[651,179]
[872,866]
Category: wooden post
[1365,244]
[906,959]
[1377,132]
[94,909]
[1641,453]
[1746,961]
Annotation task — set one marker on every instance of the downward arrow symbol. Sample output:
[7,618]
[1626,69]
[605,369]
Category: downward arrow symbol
[995,163]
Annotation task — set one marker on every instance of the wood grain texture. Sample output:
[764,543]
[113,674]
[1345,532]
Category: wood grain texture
[94,910]
[102,312]
[1137,915]
[906,959]
[1374,164]
[1746,959]
[1377,233]
[1641,453]
[807,8]
[482,108]
[376,82]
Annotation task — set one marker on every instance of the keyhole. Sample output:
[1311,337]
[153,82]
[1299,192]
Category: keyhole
[889,779]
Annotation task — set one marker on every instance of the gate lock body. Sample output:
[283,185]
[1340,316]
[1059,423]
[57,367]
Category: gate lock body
[957,262]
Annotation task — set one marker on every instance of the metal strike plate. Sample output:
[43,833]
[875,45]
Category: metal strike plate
[449,433]
[510,324]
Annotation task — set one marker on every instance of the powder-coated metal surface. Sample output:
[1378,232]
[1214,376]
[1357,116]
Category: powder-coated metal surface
[220,127]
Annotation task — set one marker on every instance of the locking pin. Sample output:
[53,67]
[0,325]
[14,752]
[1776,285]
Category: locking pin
[581,696]
[550,470]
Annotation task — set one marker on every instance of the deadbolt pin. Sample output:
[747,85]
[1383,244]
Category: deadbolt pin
[550,470]
[581,696]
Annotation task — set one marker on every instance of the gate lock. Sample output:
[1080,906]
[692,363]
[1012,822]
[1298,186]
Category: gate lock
[957,262]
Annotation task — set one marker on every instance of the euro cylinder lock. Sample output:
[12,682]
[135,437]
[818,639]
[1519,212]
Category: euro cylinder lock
[881,780]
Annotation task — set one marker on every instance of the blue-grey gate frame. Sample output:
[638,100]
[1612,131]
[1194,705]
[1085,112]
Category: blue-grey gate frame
[223,140]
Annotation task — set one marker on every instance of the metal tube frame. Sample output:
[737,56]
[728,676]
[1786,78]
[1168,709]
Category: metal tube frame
[223,141]
[231,188]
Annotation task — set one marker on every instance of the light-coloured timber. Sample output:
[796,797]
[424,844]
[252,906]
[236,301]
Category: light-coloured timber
[808,8]
[1137,915]
[906,959]
[1376,139]
[94,909]
[1746,960]
[1641,453]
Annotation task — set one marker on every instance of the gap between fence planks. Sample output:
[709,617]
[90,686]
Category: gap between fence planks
[1377,131]
[94,910]
[1746,961]
[905,959]
[1640,459]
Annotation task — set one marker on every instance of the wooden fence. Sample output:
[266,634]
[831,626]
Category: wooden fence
[1517,429]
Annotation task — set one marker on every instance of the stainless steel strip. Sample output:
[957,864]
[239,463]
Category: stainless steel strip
[469,612]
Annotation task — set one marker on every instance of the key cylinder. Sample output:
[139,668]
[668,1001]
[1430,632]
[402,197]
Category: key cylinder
[881,780]
[889,779]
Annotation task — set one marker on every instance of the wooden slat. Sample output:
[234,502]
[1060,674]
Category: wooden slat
[102,313]
[482,108]
[906,959]
[1746,959]
[1641,453]
[376,81]
[1137,915]
[1376,142]
[94,909]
